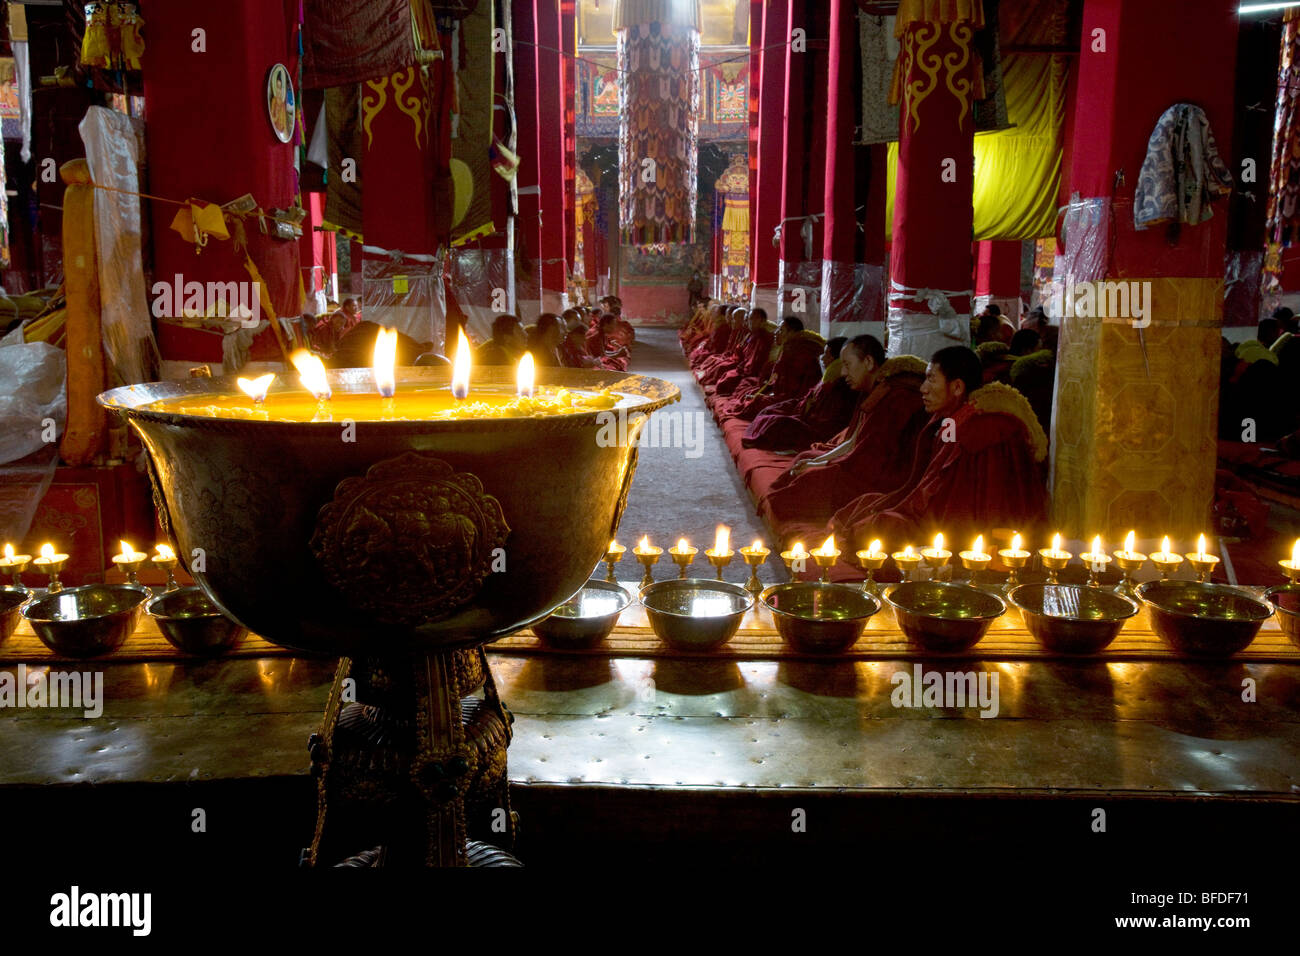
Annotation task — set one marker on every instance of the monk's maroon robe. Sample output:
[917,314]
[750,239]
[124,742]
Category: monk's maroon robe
[795,424]
[754,356]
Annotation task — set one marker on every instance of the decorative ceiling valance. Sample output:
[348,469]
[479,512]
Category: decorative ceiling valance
[682,13]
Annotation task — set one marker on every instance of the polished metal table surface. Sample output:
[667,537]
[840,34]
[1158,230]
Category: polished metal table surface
[1141,727]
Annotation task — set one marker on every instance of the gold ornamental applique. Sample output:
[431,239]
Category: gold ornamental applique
[410,541]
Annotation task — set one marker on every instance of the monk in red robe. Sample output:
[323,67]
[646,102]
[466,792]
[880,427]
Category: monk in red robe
[794,373]
[707,370]
[978,465]
[755,355]
[798,423]
[873,453]
[698,328]
[601,347]
[573,350]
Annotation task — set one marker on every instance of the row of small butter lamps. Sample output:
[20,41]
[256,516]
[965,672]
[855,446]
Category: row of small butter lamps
[50,563]
[1054,559]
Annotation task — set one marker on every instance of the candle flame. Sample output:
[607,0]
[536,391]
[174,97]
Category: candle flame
[874,547]
[127,550]
[165,552]
[47,551]
[645,543]
[758,544]
[1056,542]
[311,373]
[828,546]
[385,359]
[524,376]
[612,544]
[1165,545]
[256,388]
[9,551]
[682,544]
[722,540]
[938,542]
[978,546]
[798,551]
[1200,547]
[908,552]
[1295,553]
[1096,546]
[1015,542]
[460,366]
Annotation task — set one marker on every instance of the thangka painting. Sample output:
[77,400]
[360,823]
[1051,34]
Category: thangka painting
[729,96]
[604,86]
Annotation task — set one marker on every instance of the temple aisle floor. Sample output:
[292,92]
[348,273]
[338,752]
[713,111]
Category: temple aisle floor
[687,491]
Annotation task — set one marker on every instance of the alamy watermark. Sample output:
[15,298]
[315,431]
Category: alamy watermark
[41,687]
[235,300]
[1118,300]
[946,689]
[669,428]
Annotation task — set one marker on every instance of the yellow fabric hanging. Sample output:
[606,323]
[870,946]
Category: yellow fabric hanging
[735,215]
[94,44]
[1017,170]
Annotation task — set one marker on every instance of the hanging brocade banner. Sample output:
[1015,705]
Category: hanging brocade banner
[1283,213]
[659,100]
[733,186]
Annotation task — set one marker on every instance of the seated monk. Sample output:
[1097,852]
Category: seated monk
[699,324]
[708,370]
[718,342]
[873,454]
[798,423]
[602,348]
[755,354]
[506,345]
[796,370]
[544,340]
[356,349]
[573,351]
[977,465]
[622,333]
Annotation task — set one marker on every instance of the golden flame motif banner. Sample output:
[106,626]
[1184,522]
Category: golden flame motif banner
[658,132]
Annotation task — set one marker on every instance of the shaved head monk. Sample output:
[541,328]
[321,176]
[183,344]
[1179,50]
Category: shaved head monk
[977,467]
[873,453]
[798,423]
[755,354]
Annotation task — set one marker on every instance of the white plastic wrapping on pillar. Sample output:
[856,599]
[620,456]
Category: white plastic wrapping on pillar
[852,292]
[113,147]
[910,331]
[480,281]
[1086,231]
[406,294]
[801,290]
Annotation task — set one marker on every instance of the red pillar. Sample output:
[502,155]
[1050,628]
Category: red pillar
[550,153]
[765,207]
[800,273]
[568,64]
[997,274]
[528,227]
[755,90]
[933,205]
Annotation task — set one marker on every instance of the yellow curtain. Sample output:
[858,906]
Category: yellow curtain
[1017,170]
[735,215]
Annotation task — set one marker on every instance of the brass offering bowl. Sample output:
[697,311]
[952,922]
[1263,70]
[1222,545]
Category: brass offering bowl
[1285,601]
[818,618]
[86,621]
[11,603]
[937,616]
[587,618]
[193,624]
[1071,618]
[393,536]
[1207,620]
[695,614]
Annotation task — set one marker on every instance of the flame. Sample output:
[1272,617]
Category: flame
[908,552]
[524,376]
[797,551]
[1015,542]
[127,550]
[722,540]
[1295,553]
[385,358]
[682,544]
[9,551]
[460,366]
[1130,542]
[758,545]
[1164,545]
[1200,547]
[256,388]
[645,544]
[874,547]
[978,546]
[1096,546]
[938,542]
[612,544]
[311,373]
[828,546]
[165,552]
[47,551]
[1056,542]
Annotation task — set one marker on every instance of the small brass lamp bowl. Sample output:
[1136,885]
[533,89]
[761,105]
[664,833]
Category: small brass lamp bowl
[12,600]
[1205,620]
[86,621]
[817,618]
[587,618]
[1285,601]
[695,614]
[193,624]
[1071,618]
[937,616]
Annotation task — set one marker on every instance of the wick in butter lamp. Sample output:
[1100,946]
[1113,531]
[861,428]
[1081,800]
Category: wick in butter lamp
[826,556]
[1130,561]
[907,561]
[871,561]
[720,554]
[1054,560]
[15,564]
[682,556]
[1201,562]
[1166,560]
[613,555]
[1096,560]
[937,557]
[754,556]
[648,555]
[50,564]
[384,551]
[976,559]
[1015,558]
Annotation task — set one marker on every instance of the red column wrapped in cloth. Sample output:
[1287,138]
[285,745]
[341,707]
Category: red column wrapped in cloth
[754,356]
[876,452]
[796,372]
[798,423]
[977,469]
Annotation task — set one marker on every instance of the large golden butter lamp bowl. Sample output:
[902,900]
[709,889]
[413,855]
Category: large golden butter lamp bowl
[1285,601]
[817,618]
[1071,618]
[1206,620]
[947,618]
[391,537]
